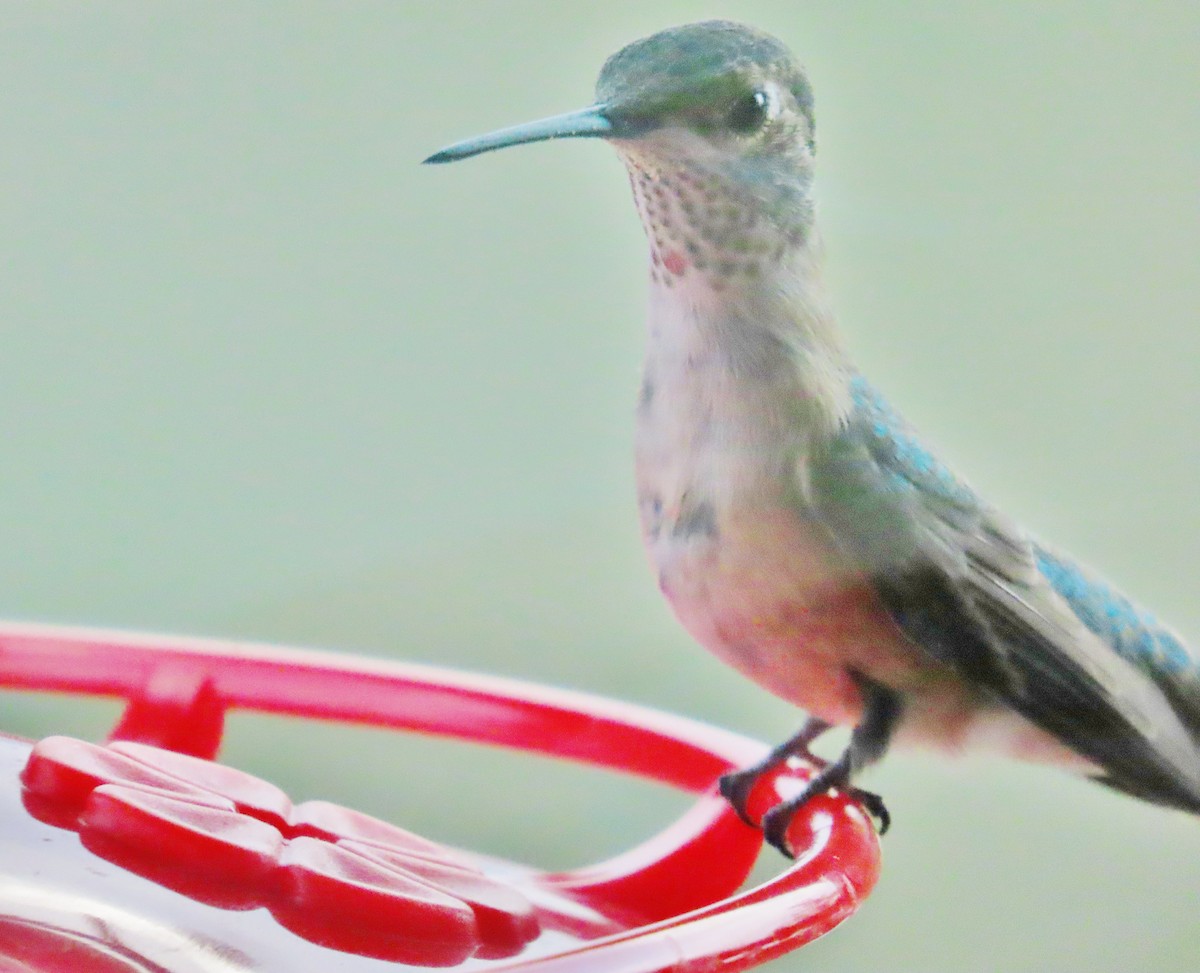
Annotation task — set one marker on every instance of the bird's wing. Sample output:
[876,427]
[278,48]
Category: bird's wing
[1132,631]
[965,583]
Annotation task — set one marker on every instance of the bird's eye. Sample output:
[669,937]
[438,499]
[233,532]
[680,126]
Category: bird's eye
[751,111]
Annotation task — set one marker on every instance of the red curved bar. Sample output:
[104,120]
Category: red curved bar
[377,692]
[668,903]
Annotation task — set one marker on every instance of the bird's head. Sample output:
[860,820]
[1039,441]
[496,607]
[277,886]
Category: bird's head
[715,123]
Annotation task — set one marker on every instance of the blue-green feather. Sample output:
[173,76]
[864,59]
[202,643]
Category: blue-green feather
[906,462]
[1132,631]
[900,453]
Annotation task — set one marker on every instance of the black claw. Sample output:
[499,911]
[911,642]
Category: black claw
[868,741]
[874,804]
[735,787]
[775,826]
[775,822]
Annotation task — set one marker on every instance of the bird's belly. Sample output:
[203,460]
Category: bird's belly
[766,594]
[764,591]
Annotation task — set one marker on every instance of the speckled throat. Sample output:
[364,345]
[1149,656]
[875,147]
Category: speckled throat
[698,216]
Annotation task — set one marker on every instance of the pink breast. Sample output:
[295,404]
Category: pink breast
[770,597]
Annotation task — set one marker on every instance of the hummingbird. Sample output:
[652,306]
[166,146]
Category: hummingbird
[800,528]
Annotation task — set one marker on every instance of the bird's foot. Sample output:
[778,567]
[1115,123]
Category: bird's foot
[737,787]
[778,820]
[868,741]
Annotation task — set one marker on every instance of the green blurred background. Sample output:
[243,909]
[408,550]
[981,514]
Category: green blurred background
[265,377]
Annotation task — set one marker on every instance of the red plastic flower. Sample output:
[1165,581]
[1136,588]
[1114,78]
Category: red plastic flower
[330,874]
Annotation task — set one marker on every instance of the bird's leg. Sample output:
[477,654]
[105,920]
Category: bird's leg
[868,742]
[737,785]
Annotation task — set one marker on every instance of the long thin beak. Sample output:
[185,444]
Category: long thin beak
[592,122]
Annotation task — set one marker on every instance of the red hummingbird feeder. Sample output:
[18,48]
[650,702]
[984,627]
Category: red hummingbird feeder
[144,854]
